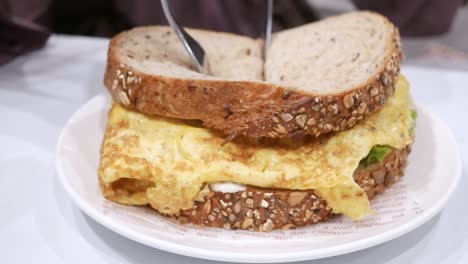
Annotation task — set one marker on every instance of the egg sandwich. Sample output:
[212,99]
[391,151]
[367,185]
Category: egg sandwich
[316,129]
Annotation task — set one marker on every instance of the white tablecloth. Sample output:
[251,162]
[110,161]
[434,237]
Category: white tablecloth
[40,224]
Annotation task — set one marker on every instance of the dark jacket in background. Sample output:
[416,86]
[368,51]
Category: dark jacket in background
[416,17]
[26,24]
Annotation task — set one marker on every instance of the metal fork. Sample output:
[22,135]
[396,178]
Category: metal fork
[195,50]
[268,26]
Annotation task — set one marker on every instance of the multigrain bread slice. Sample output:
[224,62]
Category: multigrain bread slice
[261,209]
[318,78]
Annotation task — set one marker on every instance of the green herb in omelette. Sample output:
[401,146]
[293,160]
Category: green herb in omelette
[376,154]
[414,116]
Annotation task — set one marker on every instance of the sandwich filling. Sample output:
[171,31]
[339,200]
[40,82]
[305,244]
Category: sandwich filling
[166,162]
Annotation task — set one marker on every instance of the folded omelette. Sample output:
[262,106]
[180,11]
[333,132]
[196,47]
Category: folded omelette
[166,162]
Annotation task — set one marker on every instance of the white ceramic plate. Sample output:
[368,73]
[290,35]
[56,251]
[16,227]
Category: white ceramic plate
[431,177]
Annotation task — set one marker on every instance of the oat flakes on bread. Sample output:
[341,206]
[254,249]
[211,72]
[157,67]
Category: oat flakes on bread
[317,78]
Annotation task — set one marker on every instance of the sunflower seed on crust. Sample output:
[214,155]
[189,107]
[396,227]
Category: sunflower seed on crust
[348,100]
[267,226]
[286,117]
[301,120]
[280,129]
[124,98]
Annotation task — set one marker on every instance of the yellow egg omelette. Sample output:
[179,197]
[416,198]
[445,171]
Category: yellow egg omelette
[166,162]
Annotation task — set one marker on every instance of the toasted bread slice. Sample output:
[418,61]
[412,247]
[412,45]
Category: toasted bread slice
[317,78]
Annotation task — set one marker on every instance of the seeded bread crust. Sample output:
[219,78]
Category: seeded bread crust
[251,108]
[263,210]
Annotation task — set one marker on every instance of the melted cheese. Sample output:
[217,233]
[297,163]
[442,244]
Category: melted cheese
[165,162]
[227,187]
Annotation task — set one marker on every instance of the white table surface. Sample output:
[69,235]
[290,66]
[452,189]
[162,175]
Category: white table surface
[40,224]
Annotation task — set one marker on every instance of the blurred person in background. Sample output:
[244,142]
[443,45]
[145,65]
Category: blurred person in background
[25,25]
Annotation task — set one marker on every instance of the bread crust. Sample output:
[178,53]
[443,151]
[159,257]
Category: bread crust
[261,209]
[251,108]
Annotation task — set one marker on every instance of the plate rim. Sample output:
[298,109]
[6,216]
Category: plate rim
[237,256]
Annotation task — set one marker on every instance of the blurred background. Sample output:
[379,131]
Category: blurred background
[435,32]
